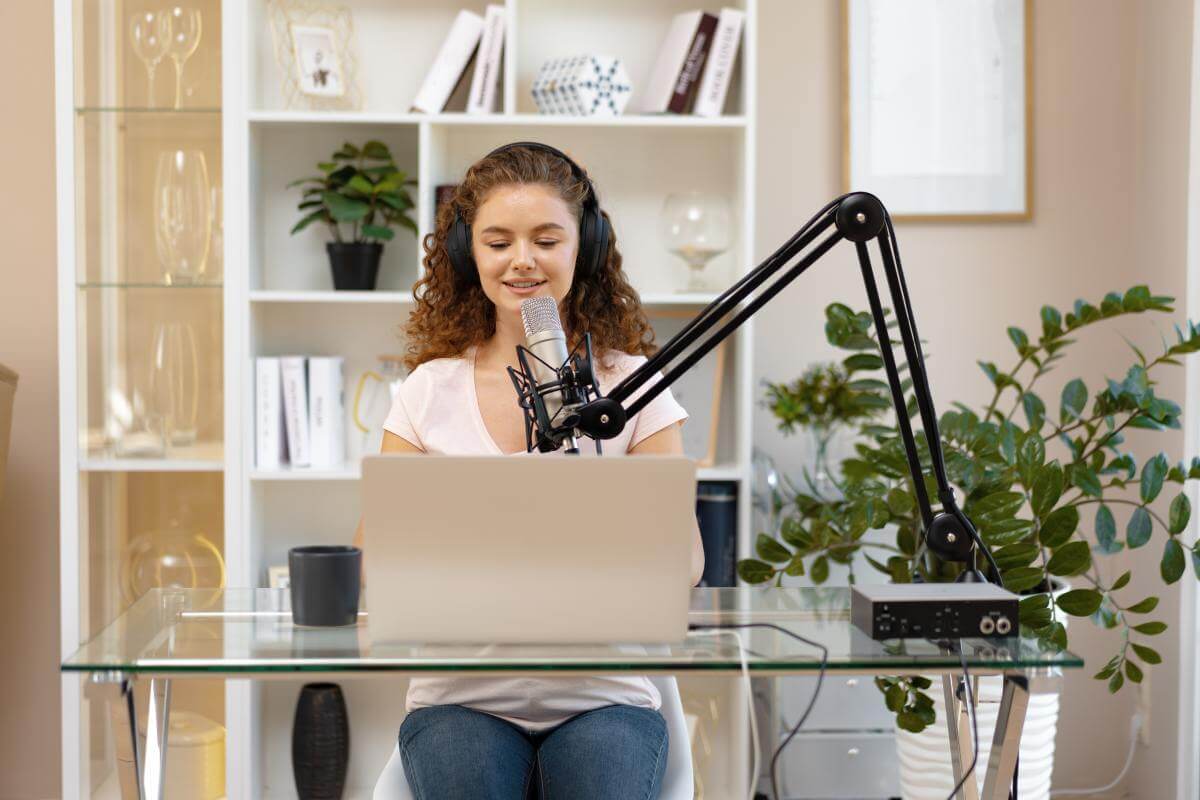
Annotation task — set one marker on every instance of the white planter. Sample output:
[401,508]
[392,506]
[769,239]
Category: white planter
[925,769]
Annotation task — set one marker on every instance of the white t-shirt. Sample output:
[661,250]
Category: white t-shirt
[437,410]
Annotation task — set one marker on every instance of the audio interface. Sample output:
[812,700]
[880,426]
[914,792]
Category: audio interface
[934,610]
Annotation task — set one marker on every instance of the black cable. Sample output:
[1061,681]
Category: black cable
[812,701]
[962,658]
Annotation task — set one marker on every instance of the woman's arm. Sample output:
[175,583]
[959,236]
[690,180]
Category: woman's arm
[391,444]
[669,442]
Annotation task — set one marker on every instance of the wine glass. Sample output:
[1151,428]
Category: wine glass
[175,380]
[697,227]
[184,39]
[149,35]
[182,214]
[216,250]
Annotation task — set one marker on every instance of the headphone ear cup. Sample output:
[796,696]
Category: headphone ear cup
[598,242]
[458,248]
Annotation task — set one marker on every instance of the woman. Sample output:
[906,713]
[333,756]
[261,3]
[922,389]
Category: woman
[512,738]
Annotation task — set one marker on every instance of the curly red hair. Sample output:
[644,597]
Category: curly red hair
[452,314]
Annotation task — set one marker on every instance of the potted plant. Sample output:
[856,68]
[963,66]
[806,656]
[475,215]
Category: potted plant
[362,189]
[1040,484]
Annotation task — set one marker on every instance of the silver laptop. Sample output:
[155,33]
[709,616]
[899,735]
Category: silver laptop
[528,550]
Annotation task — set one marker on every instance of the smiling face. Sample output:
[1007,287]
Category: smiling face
[524,239]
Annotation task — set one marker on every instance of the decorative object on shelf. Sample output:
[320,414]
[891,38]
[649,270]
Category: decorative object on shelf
[946,138]
[318,68]
[195,757]
[300,31]
[823,402]
[1026,475]
[696,226]
[278,578]
[172,557]
[320,742]
[361,188]
[175,380]
[182,215]
[149,36]
[134,427]
[716,516]
[325,582]
[587,85]
[185,38]
[372,406]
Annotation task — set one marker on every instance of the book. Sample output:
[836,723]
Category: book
[450,63]
[672,54]
[326,412]
[293,374]
[718,69]
[689,75]
[484,83]
[270,446]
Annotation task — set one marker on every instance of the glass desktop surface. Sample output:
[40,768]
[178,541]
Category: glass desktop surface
[250,632]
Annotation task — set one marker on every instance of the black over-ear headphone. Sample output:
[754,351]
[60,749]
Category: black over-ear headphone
[593,227]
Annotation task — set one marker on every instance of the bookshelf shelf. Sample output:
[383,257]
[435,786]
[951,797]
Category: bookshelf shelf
[653,300]
[268,117]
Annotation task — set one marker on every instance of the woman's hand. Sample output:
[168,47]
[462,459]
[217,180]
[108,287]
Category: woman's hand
[669,442]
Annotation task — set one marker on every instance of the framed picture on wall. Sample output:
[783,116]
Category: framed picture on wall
[936,107]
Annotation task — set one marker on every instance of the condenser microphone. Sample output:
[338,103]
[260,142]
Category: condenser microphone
[544,337]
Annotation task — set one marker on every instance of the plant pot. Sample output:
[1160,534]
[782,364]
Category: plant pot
[355,265]
[925,769]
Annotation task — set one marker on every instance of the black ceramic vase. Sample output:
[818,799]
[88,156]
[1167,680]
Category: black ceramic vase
[355,265]
[320,742]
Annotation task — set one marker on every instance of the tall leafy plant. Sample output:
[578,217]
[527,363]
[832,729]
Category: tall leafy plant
[1041,485]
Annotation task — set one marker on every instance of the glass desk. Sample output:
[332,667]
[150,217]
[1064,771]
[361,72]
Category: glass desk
[248,633]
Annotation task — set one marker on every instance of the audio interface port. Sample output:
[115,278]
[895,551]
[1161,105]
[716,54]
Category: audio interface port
[1003,626]
[987,626]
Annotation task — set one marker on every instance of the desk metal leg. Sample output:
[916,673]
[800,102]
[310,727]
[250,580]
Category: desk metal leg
[149,757]
[1006,742]
[961,748]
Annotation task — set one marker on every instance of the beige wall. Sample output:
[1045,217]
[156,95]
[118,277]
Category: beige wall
[29,687]
[1110,128]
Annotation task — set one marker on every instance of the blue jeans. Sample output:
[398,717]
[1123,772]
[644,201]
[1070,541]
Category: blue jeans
[454,753]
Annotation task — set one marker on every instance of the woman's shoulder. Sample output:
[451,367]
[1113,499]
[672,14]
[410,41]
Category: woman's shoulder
[436,372]
[617,362]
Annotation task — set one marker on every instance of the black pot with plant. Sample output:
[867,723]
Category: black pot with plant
[1045,487]
[361,192]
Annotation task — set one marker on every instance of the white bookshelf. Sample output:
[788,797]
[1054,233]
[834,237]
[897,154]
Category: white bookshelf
[277,297]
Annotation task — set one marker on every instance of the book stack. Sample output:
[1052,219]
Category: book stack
[692,72]
[470,37]
[300,415]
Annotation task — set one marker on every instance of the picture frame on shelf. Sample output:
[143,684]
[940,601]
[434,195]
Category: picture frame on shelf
[318,67]
[937,112]
[698,391]
[302,30]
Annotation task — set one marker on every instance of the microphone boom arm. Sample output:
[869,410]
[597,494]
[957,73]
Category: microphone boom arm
[858,217]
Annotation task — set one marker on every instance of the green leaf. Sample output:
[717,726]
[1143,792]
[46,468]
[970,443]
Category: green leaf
[1151,628]
[1087,480]
[1019,339]
[1147,654]
[1022,578]
[1116,682]
[1059,526]
[1133,671]
[1030,457]
[1047,488]
[1144,606]
[1173,561]
[820,570]
[1181,512]
[378,232]
[1035,410]
[1106,530]
[770,550]
[345,209]
[795,567]
[752,571]
[996,506]
[1070,559]
[1137,532]
[308,220]
[1074,400]
[910,722]
[1080,602]
[1153,473]
[895,697]
[900,502]
[1121,582]
[862,362]
[1012,556]
[792,531]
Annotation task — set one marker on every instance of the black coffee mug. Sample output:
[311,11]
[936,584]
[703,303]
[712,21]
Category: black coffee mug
[325,582]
